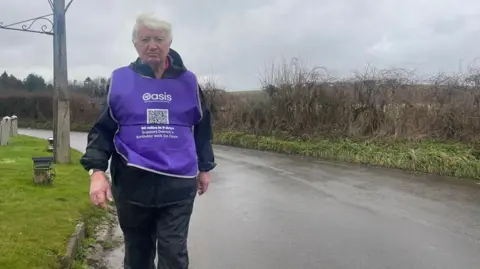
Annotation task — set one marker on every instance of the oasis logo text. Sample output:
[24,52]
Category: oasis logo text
[157,97]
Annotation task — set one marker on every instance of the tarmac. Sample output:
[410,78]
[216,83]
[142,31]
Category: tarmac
[269,211]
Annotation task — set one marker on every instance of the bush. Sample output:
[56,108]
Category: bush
[453,159]
[306,103]
[299,109]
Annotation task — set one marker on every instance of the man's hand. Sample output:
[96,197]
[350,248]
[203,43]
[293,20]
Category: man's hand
[100,190]
[203,180]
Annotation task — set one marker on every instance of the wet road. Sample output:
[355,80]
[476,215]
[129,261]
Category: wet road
[267,211]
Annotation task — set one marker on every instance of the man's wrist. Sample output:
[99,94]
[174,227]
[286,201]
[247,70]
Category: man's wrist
[94,171]
[206,167]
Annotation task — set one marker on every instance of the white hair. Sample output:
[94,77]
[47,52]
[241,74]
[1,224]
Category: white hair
[150,21]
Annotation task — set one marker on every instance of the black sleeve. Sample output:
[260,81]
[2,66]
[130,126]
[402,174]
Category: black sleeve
[100,140]
[203,138]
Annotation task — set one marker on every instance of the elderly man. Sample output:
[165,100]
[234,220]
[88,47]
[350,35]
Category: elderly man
[157,131]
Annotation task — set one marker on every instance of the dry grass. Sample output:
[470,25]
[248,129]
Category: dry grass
[388,118]
[298,103]
[308,103]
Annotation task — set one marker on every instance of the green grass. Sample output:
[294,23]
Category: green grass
[37,221]
[427,156]
[449,159]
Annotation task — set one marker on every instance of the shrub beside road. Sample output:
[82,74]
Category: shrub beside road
[37,221]
[390,118]
[426,156]
[449,159]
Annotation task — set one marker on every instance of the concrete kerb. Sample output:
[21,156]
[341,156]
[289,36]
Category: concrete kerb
[73,246]
[95,253]
[102,242]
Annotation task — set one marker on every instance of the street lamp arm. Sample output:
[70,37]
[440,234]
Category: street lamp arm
[68,5]
[26,25]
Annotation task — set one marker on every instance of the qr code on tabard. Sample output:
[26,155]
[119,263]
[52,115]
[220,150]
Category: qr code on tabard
[157,116]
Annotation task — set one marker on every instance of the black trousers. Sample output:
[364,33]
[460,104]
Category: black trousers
[165,226]
[154,213]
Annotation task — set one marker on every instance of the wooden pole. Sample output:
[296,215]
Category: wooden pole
[61,102]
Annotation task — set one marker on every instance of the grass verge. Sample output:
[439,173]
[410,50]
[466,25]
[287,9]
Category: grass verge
[427,156]
[449,159]
[37,221]
[47,125]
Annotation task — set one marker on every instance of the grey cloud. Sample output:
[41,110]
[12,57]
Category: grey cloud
[234,40]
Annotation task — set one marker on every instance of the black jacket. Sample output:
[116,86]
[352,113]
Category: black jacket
[131,183]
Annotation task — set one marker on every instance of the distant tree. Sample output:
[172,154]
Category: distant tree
[4,76]
[9,82]
[4,82]
[98,87]
[34,82]
[87,82]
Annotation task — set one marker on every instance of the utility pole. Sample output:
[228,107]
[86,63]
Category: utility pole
[61,96]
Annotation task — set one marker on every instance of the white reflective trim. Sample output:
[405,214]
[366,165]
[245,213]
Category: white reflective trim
[113,117]
[161,173]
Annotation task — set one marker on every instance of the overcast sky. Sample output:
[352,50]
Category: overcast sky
[234,40]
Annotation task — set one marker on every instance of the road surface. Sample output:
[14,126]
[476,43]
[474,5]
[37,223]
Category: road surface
[267,211]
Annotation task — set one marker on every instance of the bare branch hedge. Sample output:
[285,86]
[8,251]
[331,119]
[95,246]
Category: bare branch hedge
[300,102]
[306,103]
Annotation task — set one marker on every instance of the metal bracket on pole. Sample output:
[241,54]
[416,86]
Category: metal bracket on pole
[68,5]
[46,27]
[26,26]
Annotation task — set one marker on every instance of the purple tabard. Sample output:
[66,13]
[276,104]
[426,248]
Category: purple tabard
[155,121]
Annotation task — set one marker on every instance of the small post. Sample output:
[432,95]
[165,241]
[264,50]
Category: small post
[43,173]
[14,126]
[2,143]
[50,144]
[5,133]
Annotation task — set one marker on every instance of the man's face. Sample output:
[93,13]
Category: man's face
[152,46]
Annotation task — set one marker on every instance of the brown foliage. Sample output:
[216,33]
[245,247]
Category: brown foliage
[302,102]
[307,102]
[37,107]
